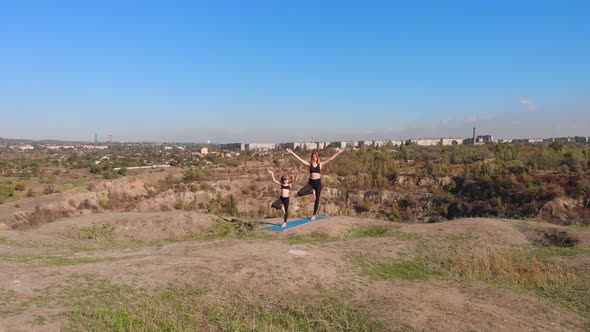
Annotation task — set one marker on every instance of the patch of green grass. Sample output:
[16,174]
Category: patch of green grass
[579,227]
[222,229]
[76,248]
[7,242]
[187,306]
[375,231]
[403,270]
[40,320]
[382,231]
[78,182]
[314,237]
[50,260]
[573,295]
[10,305]
[396,270]
[552,251]
[111,320]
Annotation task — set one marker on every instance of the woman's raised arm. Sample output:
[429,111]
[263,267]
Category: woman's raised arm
[333,157]
[306,163]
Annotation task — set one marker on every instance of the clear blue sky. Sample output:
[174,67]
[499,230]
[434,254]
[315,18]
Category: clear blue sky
[238,71]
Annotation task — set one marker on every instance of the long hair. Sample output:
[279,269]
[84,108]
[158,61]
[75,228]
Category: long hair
[317,154]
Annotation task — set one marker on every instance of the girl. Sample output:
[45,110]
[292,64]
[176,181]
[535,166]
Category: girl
[283,201]
[314,185]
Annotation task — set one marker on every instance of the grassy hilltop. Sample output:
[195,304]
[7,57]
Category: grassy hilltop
[442,238]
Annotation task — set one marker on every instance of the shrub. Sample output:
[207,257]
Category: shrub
[49,189]
[515,166]
[192,174]
[179,205]
[86,205]
[6,191]
[97,232]
[41,216]
[110,175]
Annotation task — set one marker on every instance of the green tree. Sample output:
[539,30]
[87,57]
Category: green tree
[557,146]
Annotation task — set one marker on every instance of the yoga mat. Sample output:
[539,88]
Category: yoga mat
[293,224]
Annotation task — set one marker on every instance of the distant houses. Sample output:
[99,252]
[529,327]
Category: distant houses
[434,141]
[22,147]
[344,144]
[232,149]
[527,140]
[484,139]
[58,147]
[233,146]
[445,141]
[94,147]
[378,144]
[565,140]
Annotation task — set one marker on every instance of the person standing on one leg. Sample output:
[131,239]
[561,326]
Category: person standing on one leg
[314,185]
[283,201]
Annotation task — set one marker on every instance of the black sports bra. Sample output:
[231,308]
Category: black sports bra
[285,186]
[315,169]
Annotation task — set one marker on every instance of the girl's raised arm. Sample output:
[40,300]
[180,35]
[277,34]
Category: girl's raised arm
[306,163]
[273,177]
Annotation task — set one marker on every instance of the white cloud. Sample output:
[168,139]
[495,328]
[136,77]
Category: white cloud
[531,106]
[525,101]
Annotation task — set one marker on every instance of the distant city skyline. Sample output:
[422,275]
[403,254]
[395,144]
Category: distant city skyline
[257,71]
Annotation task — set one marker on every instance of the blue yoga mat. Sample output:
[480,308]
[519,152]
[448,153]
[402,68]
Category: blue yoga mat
[292,224]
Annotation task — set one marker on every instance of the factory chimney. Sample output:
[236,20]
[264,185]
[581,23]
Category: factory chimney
[473,136]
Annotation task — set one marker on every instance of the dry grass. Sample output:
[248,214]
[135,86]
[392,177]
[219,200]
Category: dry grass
[537,271]
[487,262]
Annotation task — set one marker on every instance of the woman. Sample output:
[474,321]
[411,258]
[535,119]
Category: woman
[314,185]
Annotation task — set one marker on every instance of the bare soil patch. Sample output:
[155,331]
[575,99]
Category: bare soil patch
[497,230]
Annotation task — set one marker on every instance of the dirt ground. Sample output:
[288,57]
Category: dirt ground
[150,249]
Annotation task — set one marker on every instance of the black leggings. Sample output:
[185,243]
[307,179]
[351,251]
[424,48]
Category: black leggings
[308,189]
[282,201]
